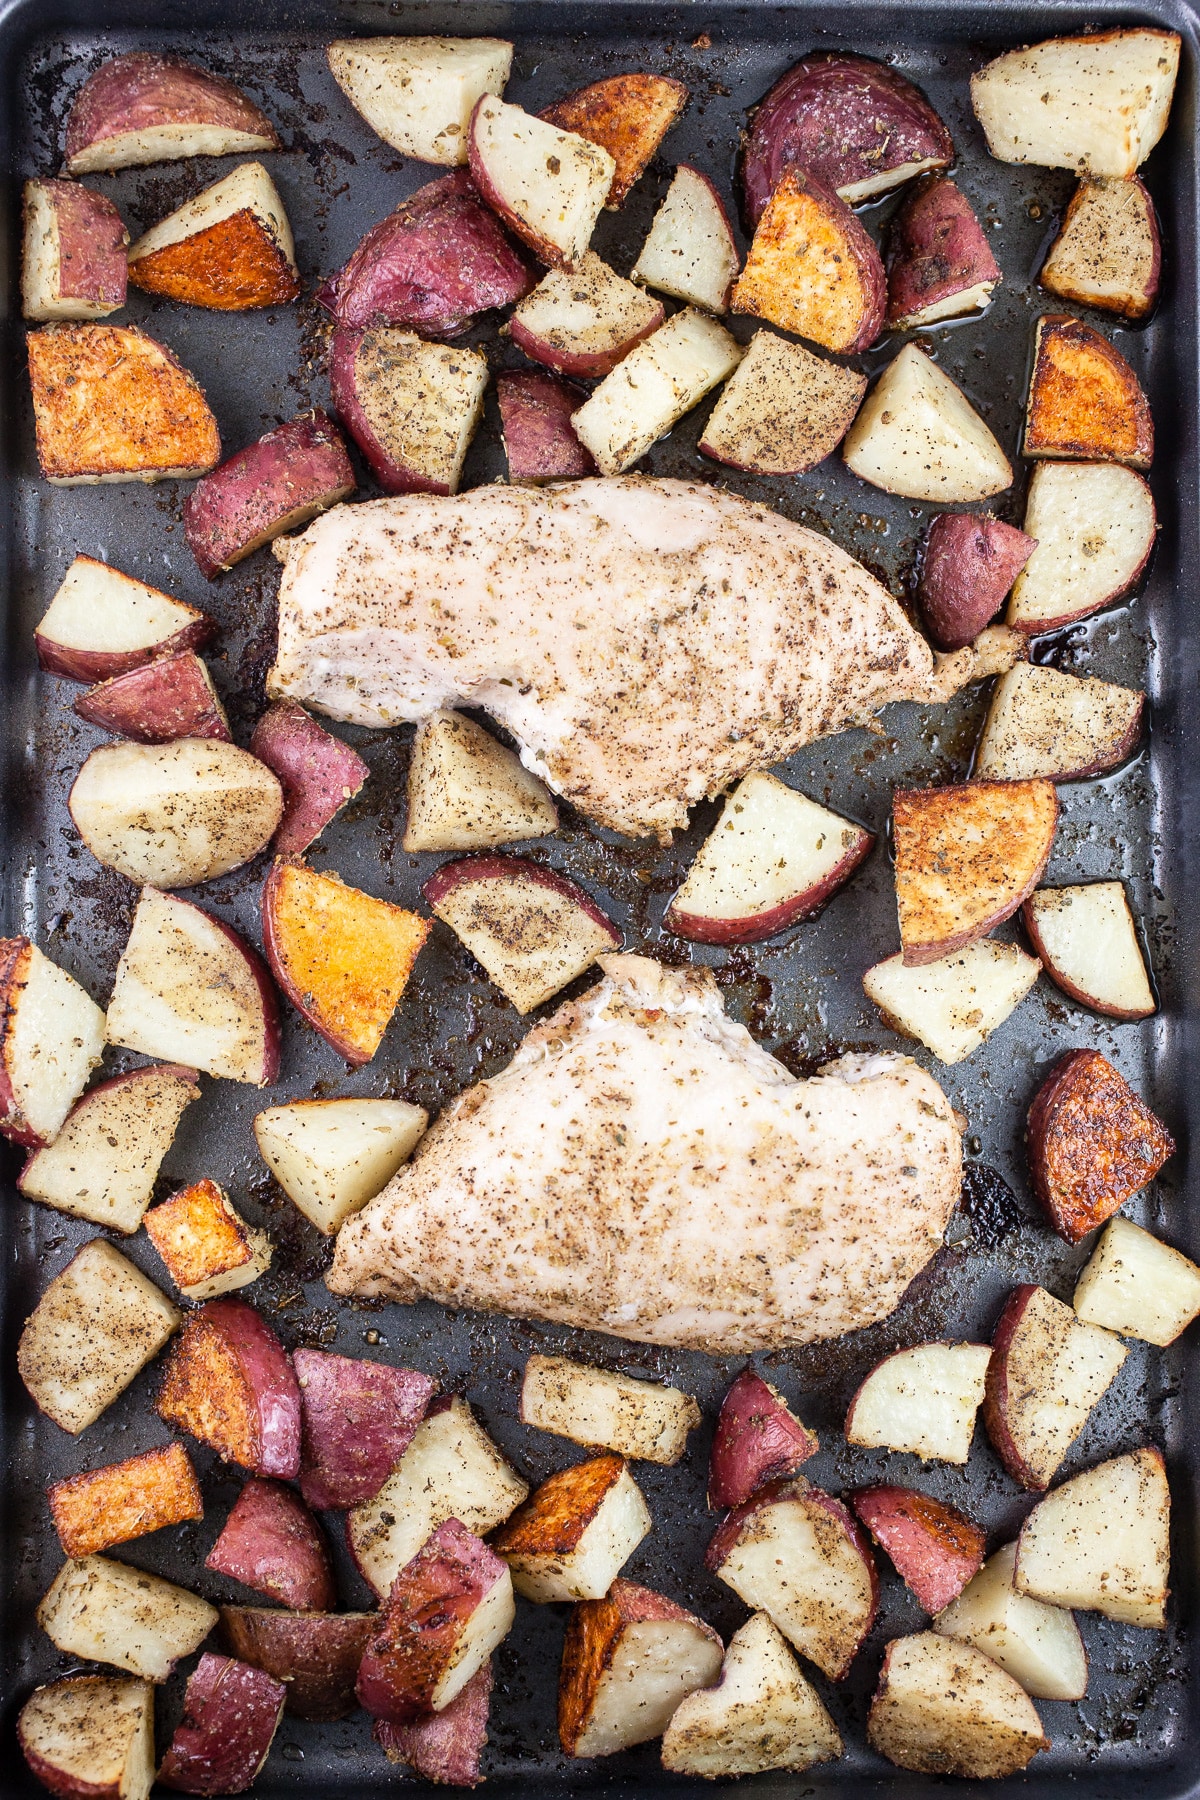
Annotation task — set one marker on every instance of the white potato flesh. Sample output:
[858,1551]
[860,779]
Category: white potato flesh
[1097,104]
[1095,525]
[606,1543]
[331,1156]
[1101,1542]
[53,1038]
[1043,722]
[589,311]
[166,143]
[186,992]
[1139,1286]
[1056,1369]
[531,937]
[690,253]
[95,1733]
[418,93]
[783,410]
[1089,944]
[248,189]
[662,378]
[1038,1645]
[549,184]
[104,1162]
[606,1411]
[655,1665]
[918,435]
[770,845]
[100,609]
[922,1400]
[42,298]
[423,402]
[762,1714]
[98,1323]
[175,814]
[942,1706]
[954,306]
[451,1470]
[467,792]
[107,1612]
[488,1626]
[954,1005]
[814,1583]
[1107,252]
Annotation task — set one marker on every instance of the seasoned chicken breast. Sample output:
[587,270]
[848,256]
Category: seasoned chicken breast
[642,1167]
[646,642]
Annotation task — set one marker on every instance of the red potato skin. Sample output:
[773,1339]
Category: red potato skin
[539,438]
[391,476]
[318,773]
[433,264]
[316,1655]
[267,1371]
[140,90]
[758,1441]
[359,1419]
[158,1070]
[995,1398]
[158,702]
[822,115]
[1091,1142]
[270,1005]
[286,478]
[446,1747]
[936,248]
[271,1543]
[753,930]
[508,868]
[1029,920]
[431,1600]
[105,665]
[91,244]
[969,565]
[231,1712]
[933,1547]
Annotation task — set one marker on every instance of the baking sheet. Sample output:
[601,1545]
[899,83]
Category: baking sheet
[1138,1731]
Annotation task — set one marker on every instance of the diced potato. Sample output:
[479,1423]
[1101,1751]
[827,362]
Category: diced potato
[207,1247]
[91,1735]
[1044,722]
[923,1400]
[762,1714]
[331,1156]
[104,1611]
[125,1500]
[1102,1541]
[229,247]
[1136,1284]
[918,435]
[1038,1645]
[954,1005]
[661,379]
[944,1708]
[418,93]
[595,1407]
[571,1539]
[467,792]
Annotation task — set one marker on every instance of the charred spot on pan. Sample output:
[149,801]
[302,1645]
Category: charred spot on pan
[991,1206]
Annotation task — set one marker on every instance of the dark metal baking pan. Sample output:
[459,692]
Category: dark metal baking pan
[1138,1731]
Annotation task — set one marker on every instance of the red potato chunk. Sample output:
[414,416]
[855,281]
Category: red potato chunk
[934,1548]
[229,248]
[270,1542]
[158,702]
[318,773]
[126,1500]
[315,1654]
[758,1440]
[971,561]
[447,1746]
[944,1708]
[574,1535]
[51,1038]
[231,1713]
[90,1737]
[1085,402]
[73,263]
[628,1660]
[205,1244]
[812,269]
[1102,1542]
[584,321]
[1108,252]
[275,485]
[546,184]
[229,1382]
[411,407]
[435,263]
[359,1419]
[539,439]
[1092,1143]
[102,623]
[940,263]
[1048,1371]
[142,108]
[627,115]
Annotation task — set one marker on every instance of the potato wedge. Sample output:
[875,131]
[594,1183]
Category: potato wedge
[158,702]
[918,435]
[934,1549]
[445,1747]
[229,248]
[603,1410]
[1102,1542]
[1085,402]
[1092,1143]
[1108,252]
[231,1713]
[317,772]
[966,858]
[944,1708]
[103,1611]
[627,115]
[758,1440]
[73,256]
[660,380]
[315,1654]
[411,407]
[1088,943]
[342,957]
[90,1735]
[207,1247]
[1038,1645]
[575,1533]
[359,1419]
[111,404]
[1049,1370]
[1044,722]
[229,1383]
[51,1037]
[98,1323]
[272,1543]
[812,269]
[172,815]
[783,410]
[762,1714]
[954,1005]
[539,439]
[142,108]
[690,252]
[940,264]
[1097,103]
[922,1400]
[467,792]
[628,1661]
[102,623]
[585,320]
[331,1156]
[1095,526]
[418,93]
[275,485]
[125,1500]
[1137,1285]
[968,566]
[548,185]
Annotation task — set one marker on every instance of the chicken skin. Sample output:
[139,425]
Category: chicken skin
[643,1168]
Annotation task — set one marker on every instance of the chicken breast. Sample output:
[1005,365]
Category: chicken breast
[642,1167]
[646,642]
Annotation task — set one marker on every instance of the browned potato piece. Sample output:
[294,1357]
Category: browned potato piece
[627,115]
[783,410]
[1108,252]
[812,269]
[1092,1143]
[125,1500]
[1085,402]
[944,1708]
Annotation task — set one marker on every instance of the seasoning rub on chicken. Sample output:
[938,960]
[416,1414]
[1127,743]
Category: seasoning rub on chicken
[642,1167]
[646,642]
